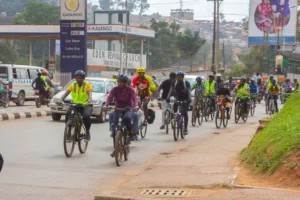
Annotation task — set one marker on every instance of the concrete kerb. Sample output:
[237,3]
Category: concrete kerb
[23,115]
[114,198]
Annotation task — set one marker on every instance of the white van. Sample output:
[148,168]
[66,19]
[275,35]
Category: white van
[21,77]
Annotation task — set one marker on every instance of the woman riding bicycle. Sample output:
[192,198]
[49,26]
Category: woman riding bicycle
[243,94]
[223,93]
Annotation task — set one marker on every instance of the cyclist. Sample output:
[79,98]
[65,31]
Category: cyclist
[259,82]
[267,85]
[199,88]
[145,87]
[230,84]
[273,91]
[182,89]
[254,89]
[49,85]
[211,88]
[165,86]
[224,93]
[286,86]
[124,97]
[248,81]
[114,78]
[39,84]
[243,94]
[219,80]
[81,93]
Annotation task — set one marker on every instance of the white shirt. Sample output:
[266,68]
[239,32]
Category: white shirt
[255,77]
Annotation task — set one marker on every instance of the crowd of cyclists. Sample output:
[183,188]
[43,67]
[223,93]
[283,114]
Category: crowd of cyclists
[133,93]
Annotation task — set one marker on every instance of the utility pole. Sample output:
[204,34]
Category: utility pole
[217,37]
[204,60]
[224,56]
[214,38]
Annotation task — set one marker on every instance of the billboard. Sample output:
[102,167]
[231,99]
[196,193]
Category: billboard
[112,59]
[272,19]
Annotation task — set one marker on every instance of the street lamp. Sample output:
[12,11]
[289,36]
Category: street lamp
[126,36]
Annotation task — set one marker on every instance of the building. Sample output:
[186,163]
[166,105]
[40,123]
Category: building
[186,14]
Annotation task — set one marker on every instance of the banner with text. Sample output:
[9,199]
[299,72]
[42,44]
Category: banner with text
[112,59]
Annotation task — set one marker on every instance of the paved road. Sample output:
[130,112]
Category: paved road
[14,108]
[36,167]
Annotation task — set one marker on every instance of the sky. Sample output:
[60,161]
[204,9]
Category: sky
[234,10]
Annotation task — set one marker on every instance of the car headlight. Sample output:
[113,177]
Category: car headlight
[54,100]
[97,102]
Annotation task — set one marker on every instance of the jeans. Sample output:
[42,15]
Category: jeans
[86,116]
[127,117]
[185,108]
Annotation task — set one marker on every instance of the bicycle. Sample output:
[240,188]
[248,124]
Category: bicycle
[169,115]
[240,111]
[197,112]
[121,139]
[252,104]
[221,114]
[272,105]
[208,108]
[75,131]
[178,122]
[143,128]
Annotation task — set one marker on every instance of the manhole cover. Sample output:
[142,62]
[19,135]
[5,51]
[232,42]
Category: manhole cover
[165,192]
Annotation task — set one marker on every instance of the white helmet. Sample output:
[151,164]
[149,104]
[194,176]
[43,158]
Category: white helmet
[218,75]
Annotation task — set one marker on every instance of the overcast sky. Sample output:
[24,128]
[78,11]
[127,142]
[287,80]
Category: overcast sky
[233,9]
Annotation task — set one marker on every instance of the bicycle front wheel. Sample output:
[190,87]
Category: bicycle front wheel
[194,117]
[143,130]
[200,117]
[82,141]
[69,138]
[206,111]
[167,121]
[252,108]
[236,114]
[218,118]
[182,133]
[119,148]
[225,119]
[176,128]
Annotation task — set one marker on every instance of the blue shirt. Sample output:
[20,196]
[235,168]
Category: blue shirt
[253,89]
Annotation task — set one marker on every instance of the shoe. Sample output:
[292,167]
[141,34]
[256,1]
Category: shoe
[137,138]
[113,154]
[88,135]
[162,127]
[186,131]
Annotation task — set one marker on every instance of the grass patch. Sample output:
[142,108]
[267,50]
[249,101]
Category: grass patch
[276,141]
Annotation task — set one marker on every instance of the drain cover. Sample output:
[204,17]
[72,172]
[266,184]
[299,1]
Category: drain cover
[164,192]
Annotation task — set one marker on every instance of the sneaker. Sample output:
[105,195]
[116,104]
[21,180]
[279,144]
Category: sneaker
[113,154]
[137,138]
[88,135]
[162,127]
[186,131]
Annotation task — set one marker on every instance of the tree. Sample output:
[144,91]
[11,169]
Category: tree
[8,54]
[189,43]
[132,5]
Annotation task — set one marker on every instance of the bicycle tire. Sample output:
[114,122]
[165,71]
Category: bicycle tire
[225,120]
[83,146]
[194,117]
[143,131]
[206,112]
[218,119]
[182,134]
[212,116]
[200,118]
[6,100]
[267,108]
[68,131]
[167,121]
[271,109]
[126,147]
[118,147]
[237,114]
[252,108]
[175,128]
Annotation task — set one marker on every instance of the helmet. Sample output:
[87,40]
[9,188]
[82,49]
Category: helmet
[114,75]
[140,70]
[180,73]
[243,79]
[80,73]
[198,78]
[271,76]
[45,72]
[211,76]
[122,77]
[288,80]
[218,75]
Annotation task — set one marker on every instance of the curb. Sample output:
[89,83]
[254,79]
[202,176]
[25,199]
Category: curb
[113,198]
[23,115]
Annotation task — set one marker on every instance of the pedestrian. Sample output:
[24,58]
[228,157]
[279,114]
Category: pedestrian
[256,76]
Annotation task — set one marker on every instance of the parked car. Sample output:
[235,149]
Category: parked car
[101,89]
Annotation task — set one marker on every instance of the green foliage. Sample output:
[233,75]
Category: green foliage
[8,53]
[251,61]
[188,44]
[236,71]
[276,141]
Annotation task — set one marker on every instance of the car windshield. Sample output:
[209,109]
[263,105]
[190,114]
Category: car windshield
[190,80]
[98,86]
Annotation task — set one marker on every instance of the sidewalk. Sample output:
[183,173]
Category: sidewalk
[202,169]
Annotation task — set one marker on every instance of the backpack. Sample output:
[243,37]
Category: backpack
[184,85]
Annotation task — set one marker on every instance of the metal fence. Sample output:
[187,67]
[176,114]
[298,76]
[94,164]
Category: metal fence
[60,78]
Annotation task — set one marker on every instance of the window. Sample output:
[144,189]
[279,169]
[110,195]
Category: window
[109,86]
[20,73]
[3,72]
[33,73]
[120,18]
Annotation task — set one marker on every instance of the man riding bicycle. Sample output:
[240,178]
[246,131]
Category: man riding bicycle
[182,89]
[243,94]
[254,89]
[199,88]
[145,87]
[165,86]
[49,93]
[223,93]
[125,97]
[81,93]
[211,88]
[273,92]
[39,84]
[286,86]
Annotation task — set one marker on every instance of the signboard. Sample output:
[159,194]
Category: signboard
[73,36]
[270,19]
[112,59]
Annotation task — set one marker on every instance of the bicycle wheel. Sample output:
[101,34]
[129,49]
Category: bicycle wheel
[200,116]
[252,108]
[237,114]
[119,148]
[206,111]
[212,115]
[194,116]
[143,130]
[82,141]
[245,116]
[167,121]
[176,128]
[225,119]
[126,146]
[69,138]
[271,108]
[218,119]
[182,134]
[267,107]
